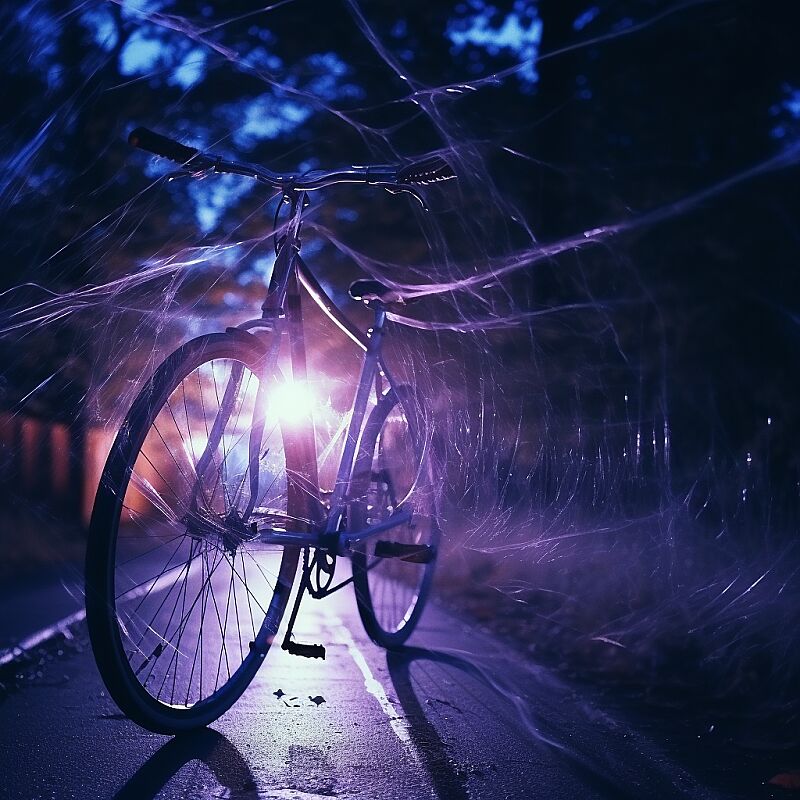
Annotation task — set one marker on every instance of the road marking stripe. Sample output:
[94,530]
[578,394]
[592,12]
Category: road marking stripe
[35,639]
[371,683]
[63,625]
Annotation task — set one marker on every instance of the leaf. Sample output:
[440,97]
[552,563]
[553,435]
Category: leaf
[318,700]
[280,693]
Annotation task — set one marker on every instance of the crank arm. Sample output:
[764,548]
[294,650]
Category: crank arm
[346,540]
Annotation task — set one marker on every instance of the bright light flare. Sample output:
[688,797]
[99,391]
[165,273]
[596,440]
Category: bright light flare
[293,402]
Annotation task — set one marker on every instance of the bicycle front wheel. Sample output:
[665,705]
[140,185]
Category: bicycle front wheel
[392,571]
[182,604]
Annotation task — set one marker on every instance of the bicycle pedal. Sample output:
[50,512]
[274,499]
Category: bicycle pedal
[413,553]
[304,650]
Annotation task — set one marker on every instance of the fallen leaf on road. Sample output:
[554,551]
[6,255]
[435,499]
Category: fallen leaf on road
[787,780]
[280,693]
[318,700]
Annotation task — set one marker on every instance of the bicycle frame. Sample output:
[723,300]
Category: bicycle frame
[281,312]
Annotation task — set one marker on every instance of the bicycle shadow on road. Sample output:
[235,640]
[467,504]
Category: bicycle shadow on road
[448,782]
[449,778]
[207,746]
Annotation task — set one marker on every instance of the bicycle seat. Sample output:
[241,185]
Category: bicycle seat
[369,289]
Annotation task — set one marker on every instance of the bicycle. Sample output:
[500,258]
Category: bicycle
[207,473]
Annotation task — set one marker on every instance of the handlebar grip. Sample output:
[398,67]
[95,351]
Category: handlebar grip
[430,170]
[162,146]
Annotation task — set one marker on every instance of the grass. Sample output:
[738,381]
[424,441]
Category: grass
[687,598]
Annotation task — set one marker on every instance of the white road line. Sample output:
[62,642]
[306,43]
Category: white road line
[35,639]
[63,625]
[371,683]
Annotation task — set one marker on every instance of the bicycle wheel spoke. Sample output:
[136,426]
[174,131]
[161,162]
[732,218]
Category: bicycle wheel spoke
[177,645]
[168,642]
[149,625]
[394,475]
[223,463]
[205,425]
[175,651]
[148,552]
[222,637]
[153,580]
[247,595]
[235,502]
[208,500]
[188,448]
[189,594]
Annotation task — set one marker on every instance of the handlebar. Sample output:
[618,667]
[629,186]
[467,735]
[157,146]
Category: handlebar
[402,178]
[162,145]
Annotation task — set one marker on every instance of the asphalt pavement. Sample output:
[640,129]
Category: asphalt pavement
[456,714]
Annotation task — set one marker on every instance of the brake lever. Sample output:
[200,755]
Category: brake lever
[404,188]
[178,173]
[197,174]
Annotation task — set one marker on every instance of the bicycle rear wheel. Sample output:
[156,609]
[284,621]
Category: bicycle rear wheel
[181,605]
[392,571]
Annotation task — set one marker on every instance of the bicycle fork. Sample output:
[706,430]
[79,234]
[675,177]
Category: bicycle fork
[283,285]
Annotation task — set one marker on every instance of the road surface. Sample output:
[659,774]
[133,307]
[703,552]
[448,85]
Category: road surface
[454,715]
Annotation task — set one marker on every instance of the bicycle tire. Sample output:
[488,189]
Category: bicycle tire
[391,593]
[118,517]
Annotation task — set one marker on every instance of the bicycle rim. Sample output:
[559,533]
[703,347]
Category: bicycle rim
[393,472]
[182,606]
